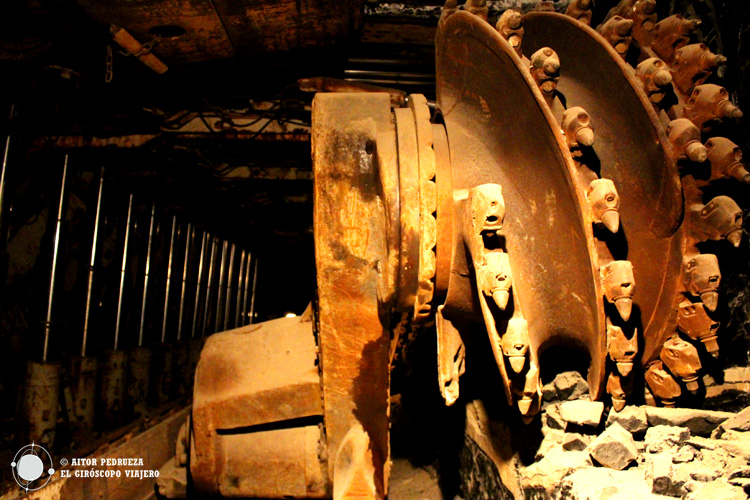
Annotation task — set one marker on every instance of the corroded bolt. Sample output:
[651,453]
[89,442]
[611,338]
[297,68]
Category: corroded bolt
[701,277]
[621,348]
[693,321]
[617,31]
[545,68]
[686,139]
[682,359]
[619,388]
[604,203]
[581,10]
[619,285]
[720,218]
[655,77]
[671,34]
[515,343]
[692,65]
[510,27]
[577,127]
[726,160]
[707,103]
[662,384]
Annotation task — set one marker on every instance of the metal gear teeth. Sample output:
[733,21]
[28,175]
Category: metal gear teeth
[427,208]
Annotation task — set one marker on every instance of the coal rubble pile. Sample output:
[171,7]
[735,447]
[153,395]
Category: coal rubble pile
[641,452]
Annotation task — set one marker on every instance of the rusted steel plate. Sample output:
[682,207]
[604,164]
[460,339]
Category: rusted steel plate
[351,249]
[500,131]
[261,27]
[630,145]
[250,376]
[204,38]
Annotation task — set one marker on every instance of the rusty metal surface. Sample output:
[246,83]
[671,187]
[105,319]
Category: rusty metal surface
[630,146]
[351,250]
[500,131]
[246,379]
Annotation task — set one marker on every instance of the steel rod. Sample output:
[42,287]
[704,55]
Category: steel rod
[146,274]
[222,285]
[169,280]
[245,304]
[92,264]
[198,283]
[240,289]
[230,288]
[189,235]
[53,271]
[214,244]
[2,180]
[252,298]
[123,270]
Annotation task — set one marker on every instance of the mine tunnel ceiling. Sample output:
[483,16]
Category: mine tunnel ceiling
[227,61]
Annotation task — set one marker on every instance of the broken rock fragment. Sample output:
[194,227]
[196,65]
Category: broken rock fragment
[614,448]
[582,412]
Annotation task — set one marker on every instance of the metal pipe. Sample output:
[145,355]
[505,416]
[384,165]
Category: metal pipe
[230,277]
[198,281]
[222,285]
[252,298]
[53,271]
[248,267]
[144,300]
[214,244]
[123,269]
[240,289]
[189,235]
[92,264]
[169,280]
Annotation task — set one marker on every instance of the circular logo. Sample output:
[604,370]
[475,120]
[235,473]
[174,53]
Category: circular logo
[29,466]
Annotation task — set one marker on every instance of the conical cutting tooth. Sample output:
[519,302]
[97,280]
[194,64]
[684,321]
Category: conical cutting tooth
[644,19]
[693,321]
[692,65]
[510,27]
[581,10]
[643,14]
[618,284]
[622,348]
[701,277]
[709,103]
[577,127]
[484,218]
[682,360]
[515,343]
[619,388]
[450,8]
[662,384]
[495,279]
[671,34]
[545,69]
[477,7]
[686,139]
[605,203]
[726,160]
[655,77]
[529,402]
[618,32]
[720,218]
